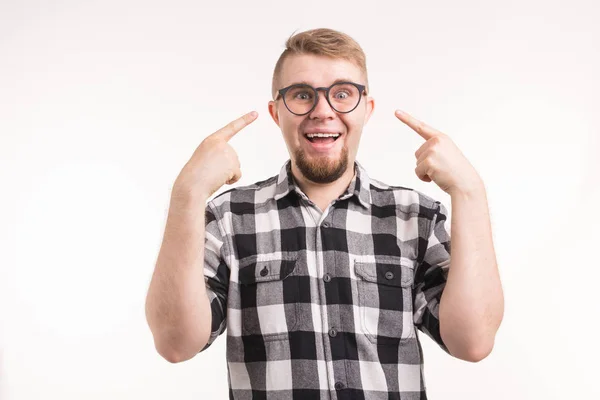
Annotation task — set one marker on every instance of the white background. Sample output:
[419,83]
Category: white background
[102,103]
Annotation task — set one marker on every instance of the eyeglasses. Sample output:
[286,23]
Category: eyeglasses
[301,99]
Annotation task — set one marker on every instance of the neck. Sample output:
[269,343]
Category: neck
[322,194]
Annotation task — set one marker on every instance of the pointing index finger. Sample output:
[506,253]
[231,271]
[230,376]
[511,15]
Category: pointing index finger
[426,131]
[229,130]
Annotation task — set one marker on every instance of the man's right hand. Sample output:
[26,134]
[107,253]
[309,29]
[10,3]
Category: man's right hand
[215,162]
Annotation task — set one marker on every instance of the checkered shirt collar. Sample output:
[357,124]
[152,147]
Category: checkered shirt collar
[359,186]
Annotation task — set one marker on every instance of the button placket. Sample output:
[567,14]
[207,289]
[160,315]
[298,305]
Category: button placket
[327,317]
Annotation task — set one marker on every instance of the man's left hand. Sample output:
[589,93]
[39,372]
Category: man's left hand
[440,160]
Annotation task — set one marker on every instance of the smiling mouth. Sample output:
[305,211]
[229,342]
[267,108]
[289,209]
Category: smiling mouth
[322,137]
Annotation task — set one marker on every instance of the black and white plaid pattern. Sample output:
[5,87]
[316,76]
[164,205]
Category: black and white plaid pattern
[324,305]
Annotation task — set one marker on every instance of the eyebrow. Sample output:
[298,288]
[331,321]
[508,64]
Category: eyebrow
[334,82]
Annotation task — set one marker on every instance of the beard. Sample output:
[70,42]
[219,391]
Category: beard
[322,169]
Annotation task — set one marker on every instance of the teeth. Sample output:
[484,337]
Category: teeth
[312,135]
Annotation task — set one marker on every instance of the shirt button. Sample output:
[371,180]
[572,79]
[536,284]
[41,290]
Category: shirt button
[339,385]
[389,275]
[325,224]
[327,277]
[264,271]
[332,332]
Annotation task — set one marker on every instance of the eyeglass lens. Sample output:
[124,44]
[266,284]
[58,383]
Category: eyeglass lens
[343,97]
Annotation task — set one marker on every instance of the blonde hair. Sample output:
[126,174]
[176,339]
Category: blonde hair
[322,42]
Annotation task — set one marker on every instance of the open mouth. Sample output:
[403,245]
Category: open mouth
[322,138]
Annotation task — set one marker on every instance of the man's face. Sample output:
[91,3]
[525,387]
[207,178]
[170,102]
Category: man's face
[321,160]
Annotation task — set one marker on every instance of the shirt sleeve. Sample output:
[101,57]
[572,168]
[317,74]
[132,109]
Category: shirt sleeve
[216,275]
[431,276]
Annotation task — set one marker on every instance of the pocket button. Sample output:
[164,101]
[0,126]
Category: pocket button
[389,275]
[264,271]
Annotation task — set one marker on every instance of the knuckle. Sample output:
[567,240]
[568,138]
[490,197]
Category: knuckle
[419,126]
[222,147]
[210,141]
[238,124]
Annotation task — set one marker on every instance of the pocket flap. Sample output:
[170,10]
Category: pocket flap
[385,273]
[265,271]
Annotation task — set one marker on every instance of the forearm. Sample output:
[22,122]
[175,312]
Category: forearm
[472,304]
[177,307]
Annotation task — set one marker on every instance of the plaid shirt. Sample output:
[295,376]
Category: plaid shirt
[324,305]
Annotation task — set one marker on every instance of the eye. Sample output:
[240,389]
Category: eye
[302,95]
[341,95]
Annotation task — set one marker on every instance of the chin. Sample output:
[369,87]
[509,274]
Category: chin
[322,169]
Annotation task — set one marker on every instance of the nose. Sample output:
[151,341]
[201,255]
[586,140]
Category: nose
[322,110]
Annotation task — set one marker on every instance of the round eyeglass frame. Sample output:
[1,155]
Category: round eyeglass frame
[282,92]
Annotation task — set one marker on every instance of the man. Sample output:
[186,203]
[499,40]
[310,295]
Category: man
[321,274]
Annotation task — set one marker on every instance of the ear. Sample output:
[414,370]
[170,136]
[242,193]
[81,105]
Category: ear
[273,111]
[370,108]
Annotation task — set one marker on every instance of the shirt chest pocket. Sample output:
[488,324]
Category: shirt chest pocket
[268,298]
[385,301]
